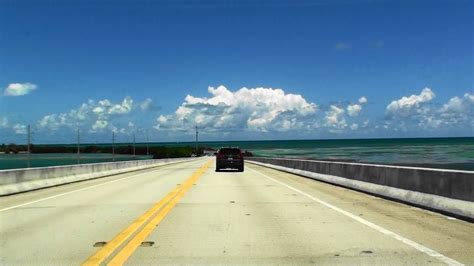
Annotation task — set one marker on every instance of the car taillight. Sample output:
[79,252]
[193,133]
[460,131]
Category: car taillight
[220,156]
[241,155]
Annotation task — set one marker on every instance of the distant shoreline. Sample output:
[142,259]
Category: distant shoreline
[441,153]
[87,159]
[192,143]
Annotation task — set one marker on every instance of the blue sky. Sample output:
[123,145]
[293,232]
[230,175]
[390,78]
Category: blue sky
[310,69]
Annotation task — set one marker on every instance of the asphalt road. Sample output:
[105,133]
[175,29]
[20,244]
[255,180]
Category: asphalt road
[186,213]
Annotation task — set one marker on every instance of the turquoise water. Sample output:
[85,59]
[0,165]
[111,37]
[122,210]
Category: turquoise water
[451,153]
[13,161]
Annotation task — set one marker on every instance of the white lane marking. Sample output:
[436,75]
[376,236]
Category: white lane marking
[74,191]
[378,228]
[67,193]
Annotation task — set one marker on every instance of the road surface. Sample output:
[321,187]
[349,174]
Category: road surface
[186,213]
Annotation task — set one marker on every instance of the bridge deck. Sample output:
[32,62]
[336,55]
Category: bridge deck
[258,216]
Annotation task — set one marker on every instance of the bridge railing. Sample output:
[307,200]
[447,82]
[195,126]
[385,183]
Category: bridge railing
[444,190]
[27,179]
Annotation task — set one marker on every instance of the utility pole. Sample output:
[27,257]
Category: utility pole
[113,146]
[147,144]
[78,146]
[197,133]
[29,148]
[133,144]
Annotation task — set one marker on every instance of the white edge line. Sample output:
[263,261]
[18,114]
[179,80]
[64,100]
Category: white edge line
[81,189]
[378,228]
[66,193]
[440,203]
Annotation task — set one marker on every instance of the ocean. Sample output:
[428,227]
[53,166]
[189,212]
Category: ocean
[15,161]
[447,153]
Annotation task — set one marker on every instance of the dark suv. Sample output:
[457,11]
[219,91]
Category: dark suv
[229,158]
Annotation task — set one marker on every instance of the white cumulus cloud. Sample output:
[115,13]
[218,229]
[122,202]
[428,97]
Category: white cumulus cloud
[91,114]
[335,117]
[414,113]
[4,122]
[355,109]
[54,121]
[118,130]
[469,97]
[99,125]
[413,104]
[147,104]
[19,89]
[457,111]
[254,109]
[20,129]
[458,104]
[124,108]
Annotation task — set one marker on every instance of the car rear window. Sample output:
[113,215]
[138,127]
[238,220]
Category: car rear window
[228,151]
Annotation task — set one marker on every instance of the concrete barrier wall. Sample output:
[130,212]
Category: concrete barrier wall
[20,180]
[449,191]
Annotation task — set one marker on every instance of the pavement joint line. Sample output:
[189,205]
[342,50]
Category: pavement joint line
[411,243]
[78,190]
[112,246]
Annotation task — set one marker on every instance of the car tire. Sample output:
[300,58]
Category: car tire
[241,169]
[218,170]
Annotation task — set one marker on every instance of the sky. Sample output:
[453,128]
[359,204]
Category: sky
[239,70]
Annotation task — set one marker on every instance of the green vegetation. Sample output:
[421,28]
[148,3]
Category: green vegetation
[158,152]
[174,152]
[12,148]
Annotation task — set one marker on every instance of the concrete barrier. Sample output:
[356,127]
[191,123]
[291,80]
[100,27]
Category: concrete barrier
[21,180]
[448,191]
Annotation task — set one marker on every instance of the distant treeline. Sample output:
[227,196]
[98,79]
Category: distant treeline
[158,152]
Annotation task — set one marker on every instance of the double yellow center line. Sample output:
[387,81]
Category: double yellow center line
[146,222]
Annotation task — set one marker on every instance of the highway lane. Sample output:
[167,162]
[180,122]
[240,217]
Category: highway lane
[63,230]
[258,216]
